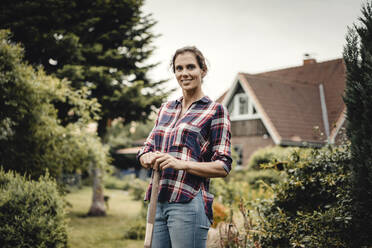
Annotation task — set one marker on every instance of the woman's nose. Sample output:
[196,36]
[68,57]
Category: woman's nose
[184,73]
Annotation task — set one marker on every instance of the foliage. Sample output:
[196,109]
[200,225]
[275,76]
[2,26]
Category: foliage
[219,213]
[312,207]
[136,229]
[121,136]
[102,45]
[229,192]
[245,183]
[137,189]
[113,182]
[31,213]
[235,236]
[256,177]
[358,100]
[270,154]
[32,139]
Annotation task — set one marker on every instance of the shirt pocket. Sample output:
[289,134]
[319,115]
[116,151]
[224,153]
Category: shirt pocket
[188,135]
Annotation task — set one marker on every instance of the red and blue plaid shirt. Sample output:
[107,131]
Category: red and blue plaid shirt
[202,134]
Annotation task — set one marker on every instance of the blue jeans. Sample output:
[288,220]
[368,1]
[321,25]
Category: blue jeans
[181,225]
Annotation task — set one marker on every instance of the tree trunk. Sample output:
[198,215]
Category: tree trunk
[98,204]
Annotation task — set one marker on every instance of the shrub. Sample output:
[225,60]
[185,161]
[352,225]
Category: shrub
[269,177]
[31,213]
[312,207]
[229,192]
[138,189]
[271,154]
[113,182]
[136,230]
[219,213]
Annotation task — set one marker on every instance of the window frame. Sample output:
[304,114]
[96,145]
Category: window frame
[235,115]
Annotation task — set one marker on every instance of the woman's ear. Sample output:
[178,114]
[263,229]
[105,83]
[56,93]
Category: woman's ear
[203,73]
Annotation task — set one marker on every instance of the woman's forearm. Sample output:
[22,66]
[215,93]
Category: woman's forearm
[162,161]
[206,169]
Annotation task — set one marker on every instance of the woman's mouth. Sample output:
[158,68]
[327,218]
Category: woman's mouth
[186,80]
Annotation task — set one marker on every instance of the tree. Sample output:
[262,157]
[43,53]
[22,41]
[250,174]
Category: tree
[99,44]
[358,100]
[32,139]
[102,45]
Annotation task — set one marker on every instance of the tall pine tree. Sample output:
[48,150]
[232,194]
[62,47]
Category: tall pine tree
[358,100]
[101,44]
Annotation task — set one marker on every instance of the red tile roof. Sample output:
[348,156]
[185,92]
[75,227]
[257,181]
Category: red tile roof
[330,73]
[290,98]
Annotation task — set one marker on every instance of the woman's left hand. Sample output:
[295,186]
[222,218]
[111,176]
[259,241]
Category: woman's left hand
[164,161]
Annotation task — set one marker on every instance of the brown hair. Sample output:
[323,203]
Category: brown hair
[192,49]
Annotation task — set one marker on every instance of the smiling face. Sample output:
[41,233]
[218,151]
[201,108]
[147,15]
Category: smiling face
[187,71]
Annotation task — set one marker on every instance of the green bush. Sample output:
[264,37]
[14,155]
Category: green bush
[31,213]
[269,177]
[230,192]
[113,182]
[136,230]
[270,154]
[312,208]
[138,189]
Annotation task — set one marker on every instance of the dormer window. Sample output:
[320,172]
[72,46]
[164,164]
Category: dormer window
[242,108]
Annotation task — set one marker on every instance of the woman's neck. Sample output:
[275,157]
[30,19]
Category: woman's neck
[191,96]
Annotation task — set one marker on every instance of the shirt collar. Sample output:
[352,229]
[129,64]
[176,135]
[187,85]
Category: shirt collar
[204,99]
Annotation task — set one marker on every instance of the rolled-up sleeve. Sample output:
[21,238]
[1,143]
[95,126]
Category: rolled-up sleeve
[220,137]
[149,144]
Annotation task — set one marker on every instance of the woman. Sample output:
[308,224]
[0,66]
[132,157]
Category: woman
[189,144]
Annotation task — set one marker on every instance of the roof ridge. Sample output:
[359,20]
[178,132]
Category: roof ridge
[294,67]
[279,80]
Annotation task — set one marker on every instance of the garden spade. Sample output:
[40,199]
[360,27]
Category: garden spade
[152,210]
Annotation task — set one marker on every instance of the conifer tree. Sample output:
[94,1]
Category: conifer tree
[100,44]
[358,100]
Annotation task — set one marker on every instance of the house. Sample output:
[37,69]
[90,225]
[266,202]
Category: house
[297,106]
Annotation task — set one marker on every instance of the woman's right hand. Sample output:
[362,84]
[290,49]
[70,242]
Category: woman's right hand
[147,159]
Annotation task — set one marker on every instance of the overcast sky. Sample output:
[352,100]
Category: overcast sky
[248,35]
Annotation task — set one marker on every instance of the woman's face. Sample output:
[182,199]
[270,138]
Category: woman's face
[187,71]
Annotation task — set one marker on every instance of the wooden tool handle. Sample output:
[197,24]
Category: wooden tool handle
[152,210]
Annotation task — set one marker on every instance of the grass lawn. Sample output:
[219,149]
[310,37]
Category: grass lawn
[102,232]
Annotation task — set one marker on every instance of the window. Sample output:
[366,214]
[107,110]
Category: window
[241,108]
[243,104]
[238,149]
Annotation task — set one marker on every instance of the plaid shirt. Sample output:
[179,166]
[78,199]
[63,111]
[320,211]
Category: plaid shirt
[202,134]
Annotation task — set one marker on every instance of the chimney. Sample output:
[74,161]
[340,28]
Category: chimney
[308,60]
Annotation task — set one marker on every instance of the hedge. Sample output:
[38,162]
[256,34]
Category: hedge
[31,212]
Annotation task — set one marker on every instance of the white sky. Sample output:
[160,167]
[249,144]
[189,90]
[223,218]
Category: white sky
[248,35]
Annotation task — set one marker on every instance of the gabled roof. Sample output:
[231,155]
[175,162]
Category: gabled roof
[289,99]
[331,74]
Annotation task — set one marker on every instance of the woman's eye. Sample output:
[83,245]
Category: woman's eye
[190,67]
[179,68]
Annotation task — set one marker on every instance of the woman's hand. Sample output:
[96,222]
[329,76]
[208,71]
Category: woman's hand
[163,161]
[147,159]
